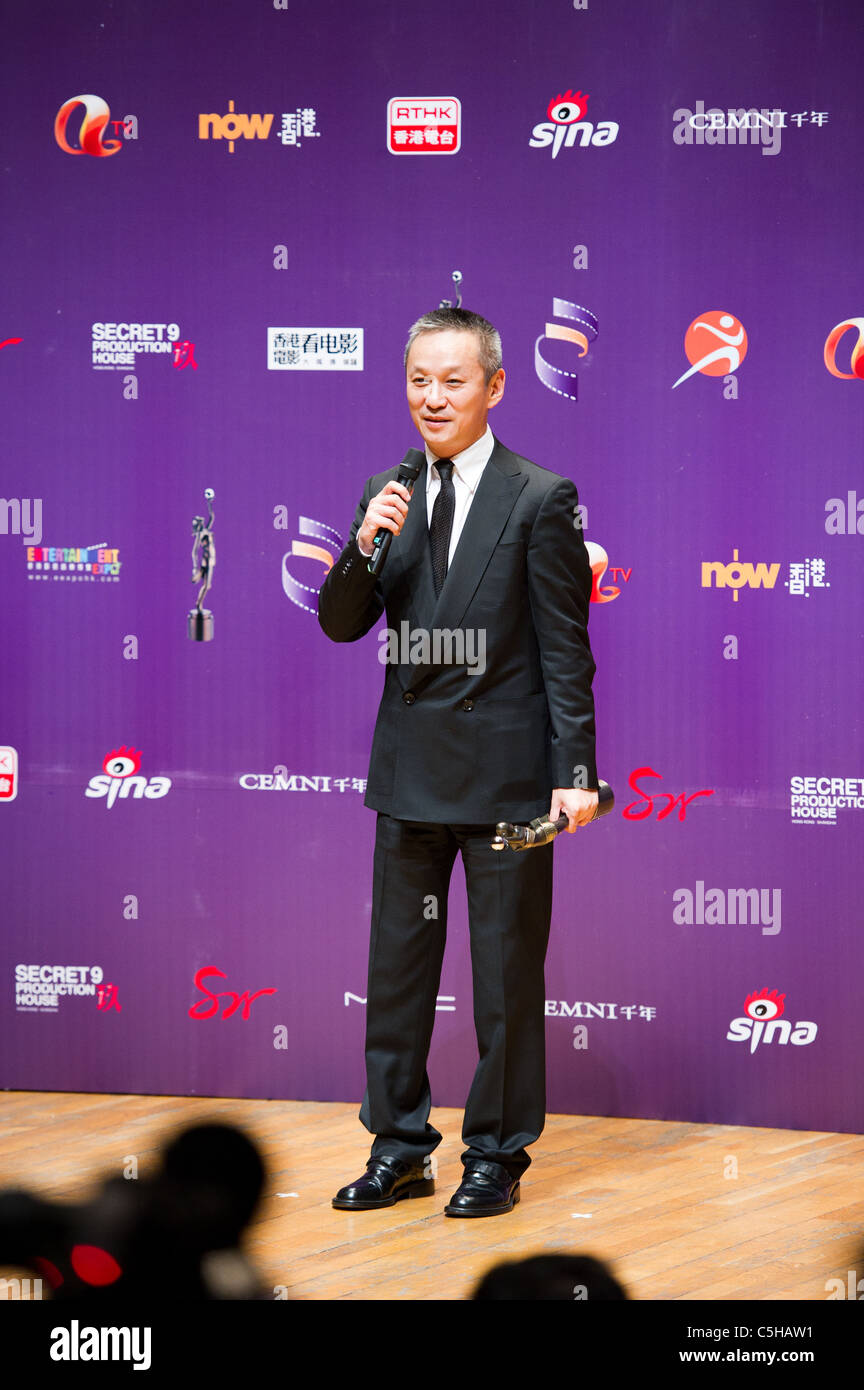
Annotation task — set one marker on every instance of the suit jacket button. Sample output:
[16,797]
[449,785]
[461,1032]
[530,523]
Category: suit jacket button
[468,704]
[409,697]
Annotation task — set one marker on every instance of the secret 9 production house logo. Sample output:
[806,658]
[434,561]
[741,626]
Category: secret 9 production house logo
[41,987]
[114,346]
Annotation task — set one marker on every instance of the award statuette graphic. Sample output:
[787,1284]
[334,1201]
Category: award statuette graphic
[542,830]
[200,620]
[456,277]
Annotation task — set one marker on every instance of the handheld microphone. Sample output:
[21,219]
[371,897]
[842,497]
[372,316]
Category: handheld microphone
[408,474]
[542,830]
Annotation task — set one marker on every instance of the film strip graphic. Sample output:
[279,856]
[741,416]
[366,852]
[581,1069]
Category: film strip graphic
[558,379]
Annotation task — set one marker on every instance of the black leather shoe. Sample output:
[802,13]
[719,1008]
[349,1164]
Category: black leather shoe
[386,1181]
[487,1189]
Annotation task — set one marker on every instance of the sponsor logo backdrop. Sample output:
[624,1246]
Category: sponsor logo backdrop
[217,298]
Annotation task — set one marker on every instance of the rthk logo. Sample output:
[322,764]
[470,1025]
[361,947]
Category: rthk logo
[8,774]
[424,125]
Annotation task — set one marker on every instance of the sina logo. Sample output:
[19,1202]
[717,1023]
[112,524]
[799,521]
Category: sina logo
[119,778]
[566,120]
[764,1022]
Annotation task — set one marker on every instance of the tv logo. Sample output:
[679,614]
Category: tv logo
[96,116]
[856,361]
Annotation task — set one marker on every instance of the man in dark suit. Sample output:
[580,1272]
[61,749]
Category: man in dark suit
[487,714]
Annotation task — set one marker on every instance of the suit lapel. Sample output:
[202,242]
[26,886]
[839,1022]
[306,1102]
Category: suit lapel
[496,494]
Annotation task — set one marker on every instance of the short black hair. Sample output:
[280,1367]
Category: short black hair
[461,321]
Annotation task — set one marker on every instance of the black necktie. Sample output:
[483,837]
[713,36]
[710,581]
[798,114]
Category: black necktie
[442,522]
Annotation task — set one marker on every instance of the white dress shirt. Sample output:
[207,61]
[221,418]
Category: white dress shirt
[467,472]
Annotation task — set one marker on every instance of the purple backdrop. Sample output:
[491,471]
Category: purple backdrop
[714,178]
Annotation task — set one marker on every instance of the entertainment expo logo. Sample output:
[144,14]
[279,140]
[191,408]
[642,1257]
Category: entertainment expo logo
[74,563]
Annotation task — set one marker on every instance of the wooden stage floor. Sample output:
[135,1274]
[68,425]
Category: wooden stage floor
[681,1211]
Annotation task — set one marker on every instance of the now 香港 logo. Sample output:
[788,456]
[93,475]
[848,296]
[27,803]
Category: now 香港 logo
[295,126]
[234,125]
[736,574]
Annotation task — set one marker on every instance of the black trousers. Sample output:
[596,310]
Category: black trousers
[509,910]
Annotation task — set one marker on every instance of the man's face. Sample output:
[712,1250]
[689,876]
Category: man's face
[448,396]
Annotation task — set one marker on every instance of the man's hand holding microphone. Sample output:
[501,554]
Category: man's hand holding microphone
[386,512]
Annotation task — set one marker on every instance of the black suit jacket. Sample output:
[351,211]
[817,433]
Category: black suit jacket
[455,747]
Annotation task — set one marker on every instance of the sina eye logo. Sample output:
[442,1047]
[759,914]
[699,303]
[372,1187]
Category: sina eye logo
[566,109]
[120,778]
[765,1005]
[122,762]
[764,1022]
[565,120]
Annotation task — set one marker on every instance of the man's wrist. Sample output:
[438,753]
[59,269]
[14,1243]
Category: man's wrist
[368,553]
